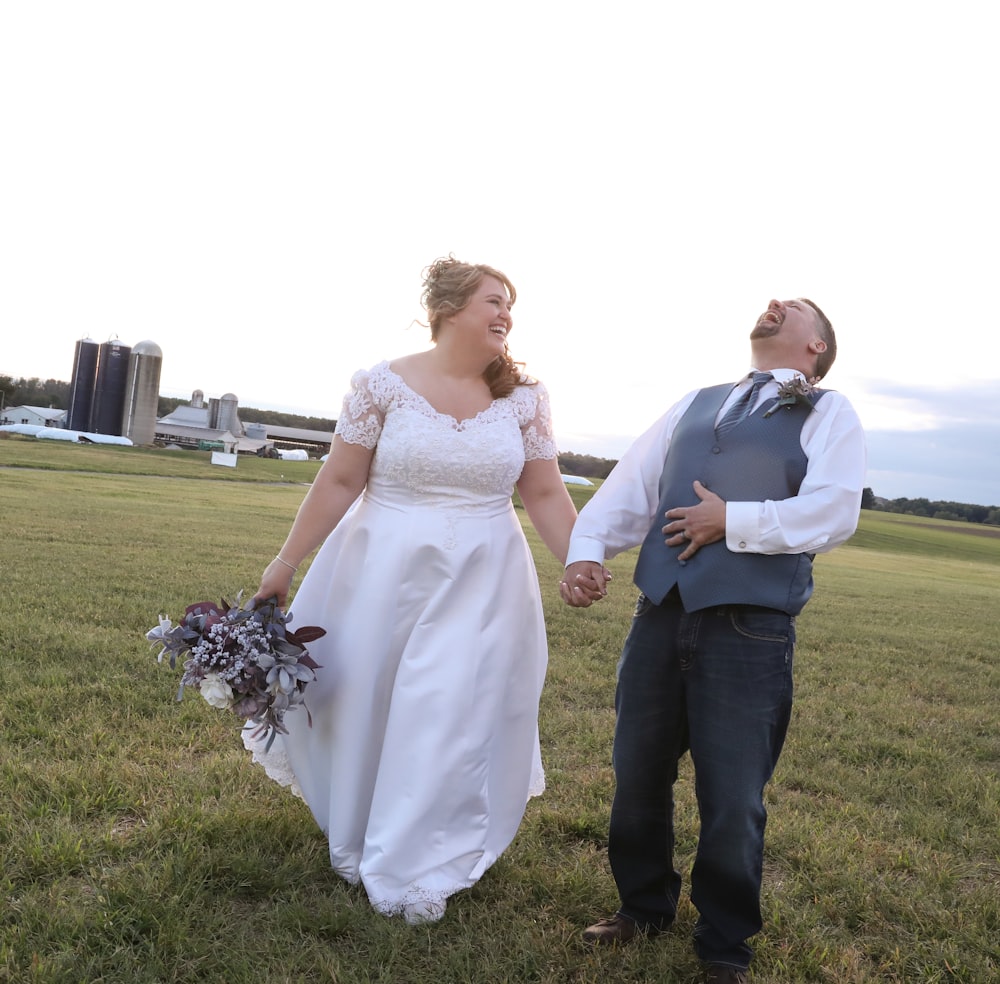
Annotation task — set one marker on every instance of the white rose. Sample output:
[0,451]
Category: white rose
[217,693]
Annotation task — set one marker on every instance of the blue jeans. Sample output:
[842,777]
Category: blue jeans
[717,683]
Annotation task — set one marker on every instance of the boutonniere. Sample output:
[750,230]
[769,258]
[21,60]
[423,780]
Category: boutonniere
[790,392]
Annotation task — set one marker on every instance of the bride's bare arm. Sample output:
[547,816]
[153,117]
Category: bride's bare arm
[337,484]
[548,504]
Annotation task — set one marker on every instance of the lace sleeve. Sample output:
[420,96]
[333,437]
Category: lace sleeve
[361,417]
[536,422]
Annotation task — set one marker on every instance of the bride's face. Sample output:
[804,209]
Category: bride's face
[486,320]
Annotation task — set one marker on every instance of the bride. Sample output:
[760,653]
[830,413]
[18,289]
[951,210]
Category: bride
[423,748]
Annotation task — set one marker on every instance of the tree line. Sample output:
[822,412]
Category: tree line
[962,512]
[585,465]
[34,393]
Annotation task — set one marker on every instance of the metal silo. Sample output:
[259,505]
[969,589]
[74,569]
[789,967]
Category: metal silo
[229,414]
[109,391]
[82,383]
[142,393]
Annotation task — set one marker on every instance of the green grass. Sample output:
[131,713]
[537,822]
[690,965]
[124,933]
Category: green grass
[138,844]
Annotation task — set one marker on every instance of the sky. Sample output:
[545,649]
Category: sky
[256,187]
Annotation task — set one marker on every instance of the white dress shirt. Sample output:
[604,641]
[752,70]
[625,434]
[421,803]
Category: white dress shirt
[823,515]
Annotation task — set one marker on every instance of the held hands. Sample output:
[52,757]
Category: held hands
[583,583]
[696,525]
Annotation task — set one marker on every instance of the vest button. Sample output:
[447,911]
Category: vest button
[683,563]
[716,450]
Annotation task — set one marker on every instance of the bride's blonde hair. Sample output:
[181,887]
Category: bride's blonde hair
[448,287]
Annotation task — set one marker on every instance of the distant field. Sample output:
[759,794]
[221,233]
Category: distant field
[17,451]
[138,845]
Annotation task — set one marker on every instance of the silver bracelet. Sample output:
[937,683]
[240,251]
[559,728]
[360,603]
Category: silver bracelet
[281,560]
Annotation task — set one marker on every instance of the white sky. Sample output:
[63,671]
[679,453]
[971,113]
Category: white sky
[256,187]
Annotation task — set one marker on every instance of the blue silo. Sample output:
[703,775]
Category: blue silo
[82,384]
[109,391]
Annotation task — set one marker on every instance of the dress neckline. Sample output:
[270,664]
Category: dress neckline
[430,406]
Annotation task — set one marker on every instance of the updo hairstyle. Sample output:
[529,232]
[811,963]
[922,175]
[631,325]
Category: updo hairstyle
[448,287]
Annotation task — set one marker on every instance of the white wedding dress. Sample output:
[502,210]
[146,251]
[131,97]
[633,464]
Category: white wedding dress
[423,749]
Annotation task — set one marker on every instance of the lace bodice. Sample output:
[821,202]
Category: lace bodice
[421,450]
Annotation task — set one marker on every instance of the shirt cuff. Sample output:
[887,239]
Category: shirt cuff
[585,548]
[743,527]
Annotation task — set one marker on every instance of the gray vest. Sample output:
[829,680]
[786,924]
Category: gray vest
[761,458]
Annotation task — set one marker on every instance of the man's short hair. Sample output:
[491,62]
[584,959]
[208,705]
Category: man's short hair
[824,360]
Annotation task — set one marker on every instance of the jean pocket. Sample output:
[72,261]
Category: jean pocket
[763,625]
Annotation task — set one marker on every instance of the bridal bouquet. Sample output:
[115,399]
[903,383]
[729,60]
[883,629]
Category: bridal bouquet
[242,659]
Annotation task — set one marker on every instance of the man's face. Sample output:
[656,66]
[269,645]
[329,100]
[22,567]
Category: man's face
[793,322]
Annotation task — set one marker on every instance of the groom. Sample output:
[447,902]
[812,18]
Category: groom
[730,494]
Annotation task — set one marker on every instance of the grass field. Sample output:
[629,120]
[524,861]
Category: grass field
[139,845]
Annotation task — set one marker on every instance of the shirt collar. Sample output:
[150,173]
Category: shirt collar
[780,375]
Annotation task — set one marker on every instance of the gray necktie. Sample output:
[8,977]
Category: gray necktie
[743,406]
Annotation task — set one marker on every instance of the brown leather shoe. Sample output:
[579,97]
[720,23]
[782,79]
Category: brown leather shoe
[724,974]
[618,929]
